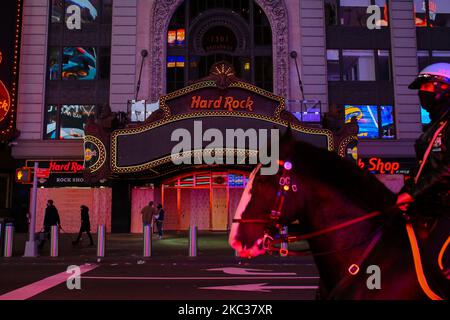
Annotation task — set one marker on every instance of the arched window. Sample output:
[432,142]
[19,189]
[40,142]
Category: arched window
[203,32]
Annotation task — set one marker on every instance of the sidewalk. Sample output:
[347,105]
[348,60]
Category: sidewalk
[174,246]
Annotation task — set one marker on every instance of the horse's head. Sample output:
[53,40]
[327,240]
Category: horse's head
[268,202]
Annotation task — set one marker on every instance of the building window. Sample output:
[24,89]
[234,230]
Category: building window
[202,33]
[79,63]
[66,122]
[384,65]
[420,9]
[427,57]
[423,59]
[359,65]
[264,72]
[51,120]
[57,11]
[53,64]
[334,71]
[440,56]
[353,13]
[437,11]
[92,11]
[375,122]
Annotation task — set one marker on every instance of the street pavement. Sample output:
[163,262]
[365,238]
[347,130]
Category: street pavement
[216,274]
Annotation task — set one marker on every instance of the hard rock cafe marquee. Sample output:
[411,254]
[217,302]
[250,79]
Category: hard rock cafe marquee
[200,194]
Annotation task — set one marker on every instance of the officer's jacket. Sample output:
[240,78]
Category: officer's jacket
[434,180]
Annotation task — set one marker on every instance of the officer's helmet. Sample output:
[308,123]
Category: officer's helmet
[434,78]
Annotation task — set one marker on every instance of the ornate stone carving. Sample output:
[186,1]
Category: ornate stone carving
[163,10]
[226,18]
[223,74]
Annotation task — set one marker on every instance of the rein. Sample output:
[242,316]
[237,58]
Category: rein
[289,239]
[334,228]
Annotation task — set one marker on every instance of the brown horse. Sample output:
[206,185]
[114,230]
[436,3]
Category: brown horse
[350,217]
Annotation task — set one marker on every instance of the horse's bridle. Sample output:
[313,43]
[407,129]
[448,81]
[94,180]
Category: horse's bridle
[286,185]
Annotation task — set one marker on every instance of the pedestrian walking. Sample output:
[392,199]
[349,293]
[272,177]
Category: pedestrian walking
[51,218]
[85,226]
[159,219]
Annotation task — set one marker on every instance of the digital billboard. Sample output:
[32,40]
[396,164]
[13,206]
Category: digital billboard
[375,122]
[367,117]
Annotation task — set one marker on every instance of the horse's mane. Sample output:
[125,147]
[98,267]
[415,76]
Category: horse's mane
[359,186]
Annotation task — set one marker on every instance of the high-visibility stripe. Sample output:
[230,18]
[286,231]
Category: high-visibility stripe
[441,254]
[418,264]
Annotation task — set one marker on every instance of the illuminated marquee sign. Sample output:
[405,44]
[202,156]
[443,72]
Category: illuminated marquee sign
[223,103]
[60,173]
[10,23]
[59,166]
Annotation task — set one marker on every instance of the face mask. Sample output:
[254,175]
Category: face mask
[432,103]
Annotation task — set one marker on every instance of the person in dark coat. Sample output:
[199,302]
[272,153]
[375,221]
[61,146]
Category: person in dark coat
[159,219]
[51,218]
[85,226]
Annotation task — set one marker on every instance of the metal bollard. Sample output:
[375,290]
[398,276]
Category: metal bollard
[101,240]
[192,241]
[147,240]
[284,251]
[54,241]
[9,240]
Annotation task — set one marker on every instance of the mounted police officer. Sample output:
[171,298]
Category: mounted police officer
[427,192]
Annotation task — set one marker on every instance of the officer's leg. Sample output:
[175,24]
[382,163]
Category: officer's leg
[439,260]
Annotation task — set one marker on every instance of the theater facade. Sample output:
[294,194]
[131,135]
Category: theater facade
[103,84]
[140,157]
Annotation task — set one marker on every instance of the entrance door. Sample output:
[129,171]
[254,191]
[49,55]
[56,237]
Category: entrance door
[184,209]
[171,219]
[219,214]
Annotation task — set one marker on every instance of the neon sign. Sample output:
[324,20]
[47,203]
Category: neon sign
[59,166]
[67,167]
[379,166]
[5,101]
[227,103]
